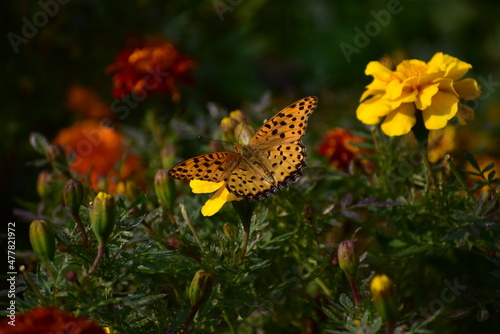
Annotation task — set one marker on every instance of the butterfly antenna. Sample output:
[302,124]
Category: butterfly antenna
[217,140]
[242,125]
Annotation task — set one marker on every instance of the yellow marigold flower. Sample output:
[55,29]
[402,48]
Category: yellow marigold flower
[217,201]
[440,143]
[431,88]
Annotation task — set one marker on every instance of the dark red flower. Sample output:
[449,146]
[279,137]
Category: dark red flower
[155,67]
[49,320]
[337,148]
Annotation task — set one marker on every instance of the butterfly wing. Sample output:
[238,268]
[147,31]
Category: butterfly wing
[264,172]
[288,125]
[214,167]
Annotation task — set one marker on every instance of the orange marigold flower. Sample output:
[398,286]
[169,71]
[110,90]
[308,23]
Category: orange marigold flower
[100,152]
[155,67]
[87,103]
[433,89]
[337,148]
[49,320]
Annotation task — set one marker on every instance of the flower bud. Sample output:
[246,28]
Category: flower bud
[174,243]
[229,231]
[102,218]
[71,276]
[165,188]
[73,194]
[384,297]
[57,158]
[44,184]
[43,240]
[347,257]
[200,286]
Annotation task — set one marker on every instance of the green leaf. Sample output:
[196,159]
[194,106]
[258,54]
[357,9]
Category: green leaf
[39,143]
[345,301]
[473,162]
[397,243]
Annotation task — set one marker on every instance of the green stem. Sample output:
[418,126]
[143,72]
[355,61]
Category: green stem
[100,253]
[226,318]
[244,244]
[389,327]
[79,223]
[50,272]
[189,320]
[191,227]
[170,215]
[354,289]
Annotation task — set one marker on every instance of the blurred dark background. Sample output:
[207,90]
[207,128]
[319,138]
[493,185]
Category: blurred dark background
[243,48]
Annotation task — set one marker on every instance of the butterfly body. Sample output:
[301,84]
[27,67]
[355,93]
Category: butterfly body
[272,159]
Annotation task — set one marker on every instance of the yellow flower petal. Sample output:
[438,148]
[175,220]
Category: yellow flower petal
[376,87]
[453,67]
[400,121]
[378,71]
[370,111]
[204,187]
[217,201]
[467,89]
[443,107]
[425,96]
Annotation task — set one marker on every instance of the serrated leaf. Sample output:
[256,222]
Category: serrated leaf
[39,143]
[345,301]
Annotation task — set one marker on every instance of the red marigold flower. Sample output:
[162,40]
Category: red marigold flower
[151,68]
[337,148]
[98,152]
[49,320]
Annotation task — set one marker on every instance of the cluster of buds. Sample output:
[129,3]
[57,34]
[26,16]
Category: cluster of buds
[234,128]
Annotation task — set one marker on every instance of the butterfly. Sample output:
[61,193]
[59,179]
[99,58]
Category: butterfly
[272,159]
